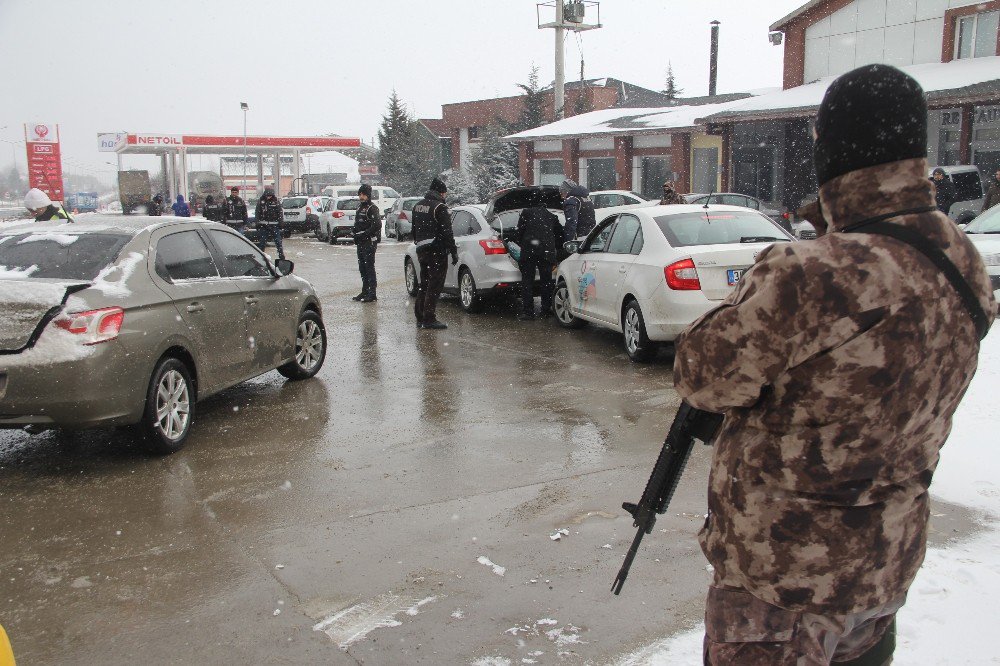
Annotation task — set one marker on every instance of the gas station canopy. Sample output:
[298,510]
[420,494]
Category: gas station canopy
[158,144]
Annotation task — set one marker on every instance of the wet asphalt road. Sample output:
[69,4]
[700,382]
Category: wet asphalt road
[380,502]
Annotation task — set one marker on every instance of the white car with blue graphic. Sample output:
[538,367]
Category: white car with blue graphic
[649,272]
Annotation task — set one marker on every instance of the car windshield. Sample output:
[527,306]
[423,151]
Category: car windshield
[348,204]
[293,202]
[718,228]
[987,223]
[60,256]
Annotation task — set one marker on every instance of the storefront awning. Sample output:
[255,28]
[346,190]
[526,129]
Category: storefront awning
[966,81]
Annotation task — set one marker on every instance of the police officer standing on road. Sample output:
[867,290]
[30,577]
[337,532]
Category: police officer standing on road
[234,211]
[269,218]
[435,240]
[367,232]
[845,360]
[212,211]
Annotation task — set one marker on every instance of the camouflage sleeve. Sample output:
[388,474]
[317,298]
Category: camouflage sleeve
[766,326]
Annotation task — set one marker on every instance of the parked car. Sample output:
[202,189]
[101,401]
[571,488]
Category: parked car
[984,232]
[382,196]
[649,272]
[734,199]
[302,213]
[485,269]
[337,219]
[398,222]
[970,191]
[614,198]
[128,321]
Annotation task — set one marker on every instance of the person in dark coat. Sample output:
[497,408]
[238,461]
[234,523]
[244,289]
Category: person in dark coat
[234,211]
[155,207]
[435,240]
[993,194]
[539,234]
[269,218]
[212,211]
[180,207]
[944,190]
[367,231]
[671,195]
[579,209]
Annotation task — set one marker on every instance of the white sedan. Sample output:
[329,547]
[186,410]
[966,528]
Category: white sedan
[984,232]
[649,272]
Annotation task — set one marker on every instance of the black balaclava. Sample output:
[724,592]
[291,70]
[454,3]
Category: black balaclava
[871,115]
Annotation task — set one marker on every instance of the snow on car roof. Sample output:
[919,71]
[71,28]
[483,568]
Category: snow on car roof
[126,224]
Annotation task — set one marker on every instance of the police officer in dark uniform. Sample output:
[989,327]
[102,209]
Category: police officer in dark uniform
[234,211]
[435,240]
[367,232]
[212,211]
[269,218]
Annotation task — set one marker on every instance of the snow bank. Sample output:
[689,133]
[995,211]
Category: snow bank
[949,616]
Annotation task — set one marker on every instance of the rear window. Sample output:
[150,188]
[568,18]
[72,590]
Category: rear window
[410,203]
[60,256]
[968,186]
[718,228]
[391,193]
[348,204]
[347,193]
[294,202]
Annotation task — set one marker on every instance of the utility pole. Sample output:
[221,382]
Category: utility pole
[713,60]
[245,107]
[569,15]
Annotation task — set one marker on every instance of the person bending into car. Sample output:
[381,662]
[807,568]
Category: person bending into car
[269,218]
[234,211]
[838,364]
[539,234]
[435,240]
[581,218]
[367,231]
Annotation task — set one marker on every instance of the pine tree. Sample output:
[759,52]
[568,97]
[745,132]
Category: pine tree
[494,163]
[461,189]
[395,140]
[671,91]
[533,112]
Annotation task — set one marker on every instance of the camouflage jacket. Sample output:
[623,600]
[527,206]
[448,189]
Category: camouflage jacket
[672,197]
[839,363]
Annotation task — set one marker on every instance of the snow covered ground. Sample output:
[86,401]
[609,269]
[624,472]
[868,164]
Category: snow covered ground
[949,614]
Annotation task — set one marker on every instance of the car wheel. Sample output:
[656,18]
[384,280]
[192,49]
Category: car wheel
[468,295]
[310,348]
[563,309]
[286,233]
[638,346]
[410,274]
[166,421]
[331,238]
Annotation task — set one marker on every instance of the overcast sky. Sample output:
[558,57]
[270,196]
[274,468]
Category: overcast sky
[312,67]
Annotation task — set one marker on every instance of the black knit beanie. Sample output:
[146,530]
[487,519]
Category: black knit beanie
[366,190]
[437,185]
[871,115]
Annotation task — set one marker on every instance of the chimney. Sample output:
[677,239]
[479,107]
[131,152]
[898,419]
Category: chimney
[713,62]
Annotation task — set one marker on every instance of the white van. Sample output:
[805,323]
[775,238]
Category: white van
[382,196]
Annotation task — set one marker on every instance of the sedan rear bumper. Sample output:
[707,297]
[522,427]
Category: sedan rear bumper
[672,311]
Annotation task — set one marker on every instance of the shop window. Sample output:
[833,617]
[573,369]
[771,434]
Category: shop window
[601,174]
[655,172]
[550,172]
[976,35]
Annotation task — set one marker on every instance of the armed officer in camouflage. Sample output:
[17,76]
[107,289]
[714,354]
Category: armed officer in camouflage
[435,240]
[838,363]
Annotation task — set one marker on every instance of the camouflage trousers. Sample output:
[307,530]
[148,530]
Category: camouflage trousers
[740,629]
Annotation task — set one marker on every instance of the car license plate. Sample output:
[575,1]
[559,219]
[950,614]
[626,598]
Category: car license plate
[734,275]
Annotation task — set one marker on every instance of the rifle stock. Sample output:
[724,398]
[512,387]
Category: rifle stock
[688,425]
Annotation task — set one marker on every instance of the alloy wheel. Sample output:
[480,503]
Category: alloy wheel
[411,278]
[468,289]
[173,405]
[308,345]
[560,303]
[631,330]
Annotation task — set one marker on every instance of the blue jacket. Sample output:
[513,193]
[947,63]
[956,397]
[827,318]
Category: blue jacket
[581,217]
[181,209]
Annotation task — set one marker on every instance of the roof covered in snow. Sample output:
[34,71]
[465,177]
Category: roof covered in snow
[618,122]
[966,80]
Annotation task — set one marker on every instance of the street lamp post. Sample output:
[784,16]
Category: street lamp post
[245,107]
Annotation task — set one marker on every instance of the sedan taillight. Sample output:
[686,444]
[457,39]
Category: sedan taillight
[493,246]
[309,210]
[338,214]
[402,215]
[93,326]
[682,276]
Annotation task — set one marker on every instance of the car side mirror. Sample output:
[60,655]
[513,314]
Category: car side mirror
[572,247]
[963,226]
[284,267]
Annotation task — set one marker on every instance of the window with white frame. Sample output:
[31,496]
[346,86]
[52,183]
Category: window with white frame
[549,172]
[976,35]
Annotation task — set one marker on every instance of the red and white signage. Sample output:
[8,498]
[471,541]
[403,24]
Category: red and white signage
[203,141]
[44,160]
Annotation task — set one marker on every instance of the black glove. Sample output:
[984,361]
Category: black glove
[454,258]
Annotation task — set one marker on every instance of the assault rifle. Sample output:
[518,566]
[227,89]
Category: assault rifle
[688,425]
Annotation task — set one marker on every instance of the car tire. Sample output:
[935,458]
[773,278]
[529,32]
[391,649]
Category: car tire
[562,309]
[286,233]
[410,277]
[638,346]
[310,348]
[468,293]
[330,238]
[169,412]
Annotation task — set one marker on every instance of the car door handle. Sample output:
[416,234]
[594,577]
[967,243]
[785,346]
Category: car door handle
[252,300]
[196,307]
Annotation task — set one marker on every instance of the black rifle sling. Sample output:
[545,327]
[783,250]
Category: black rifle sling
[937,256]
